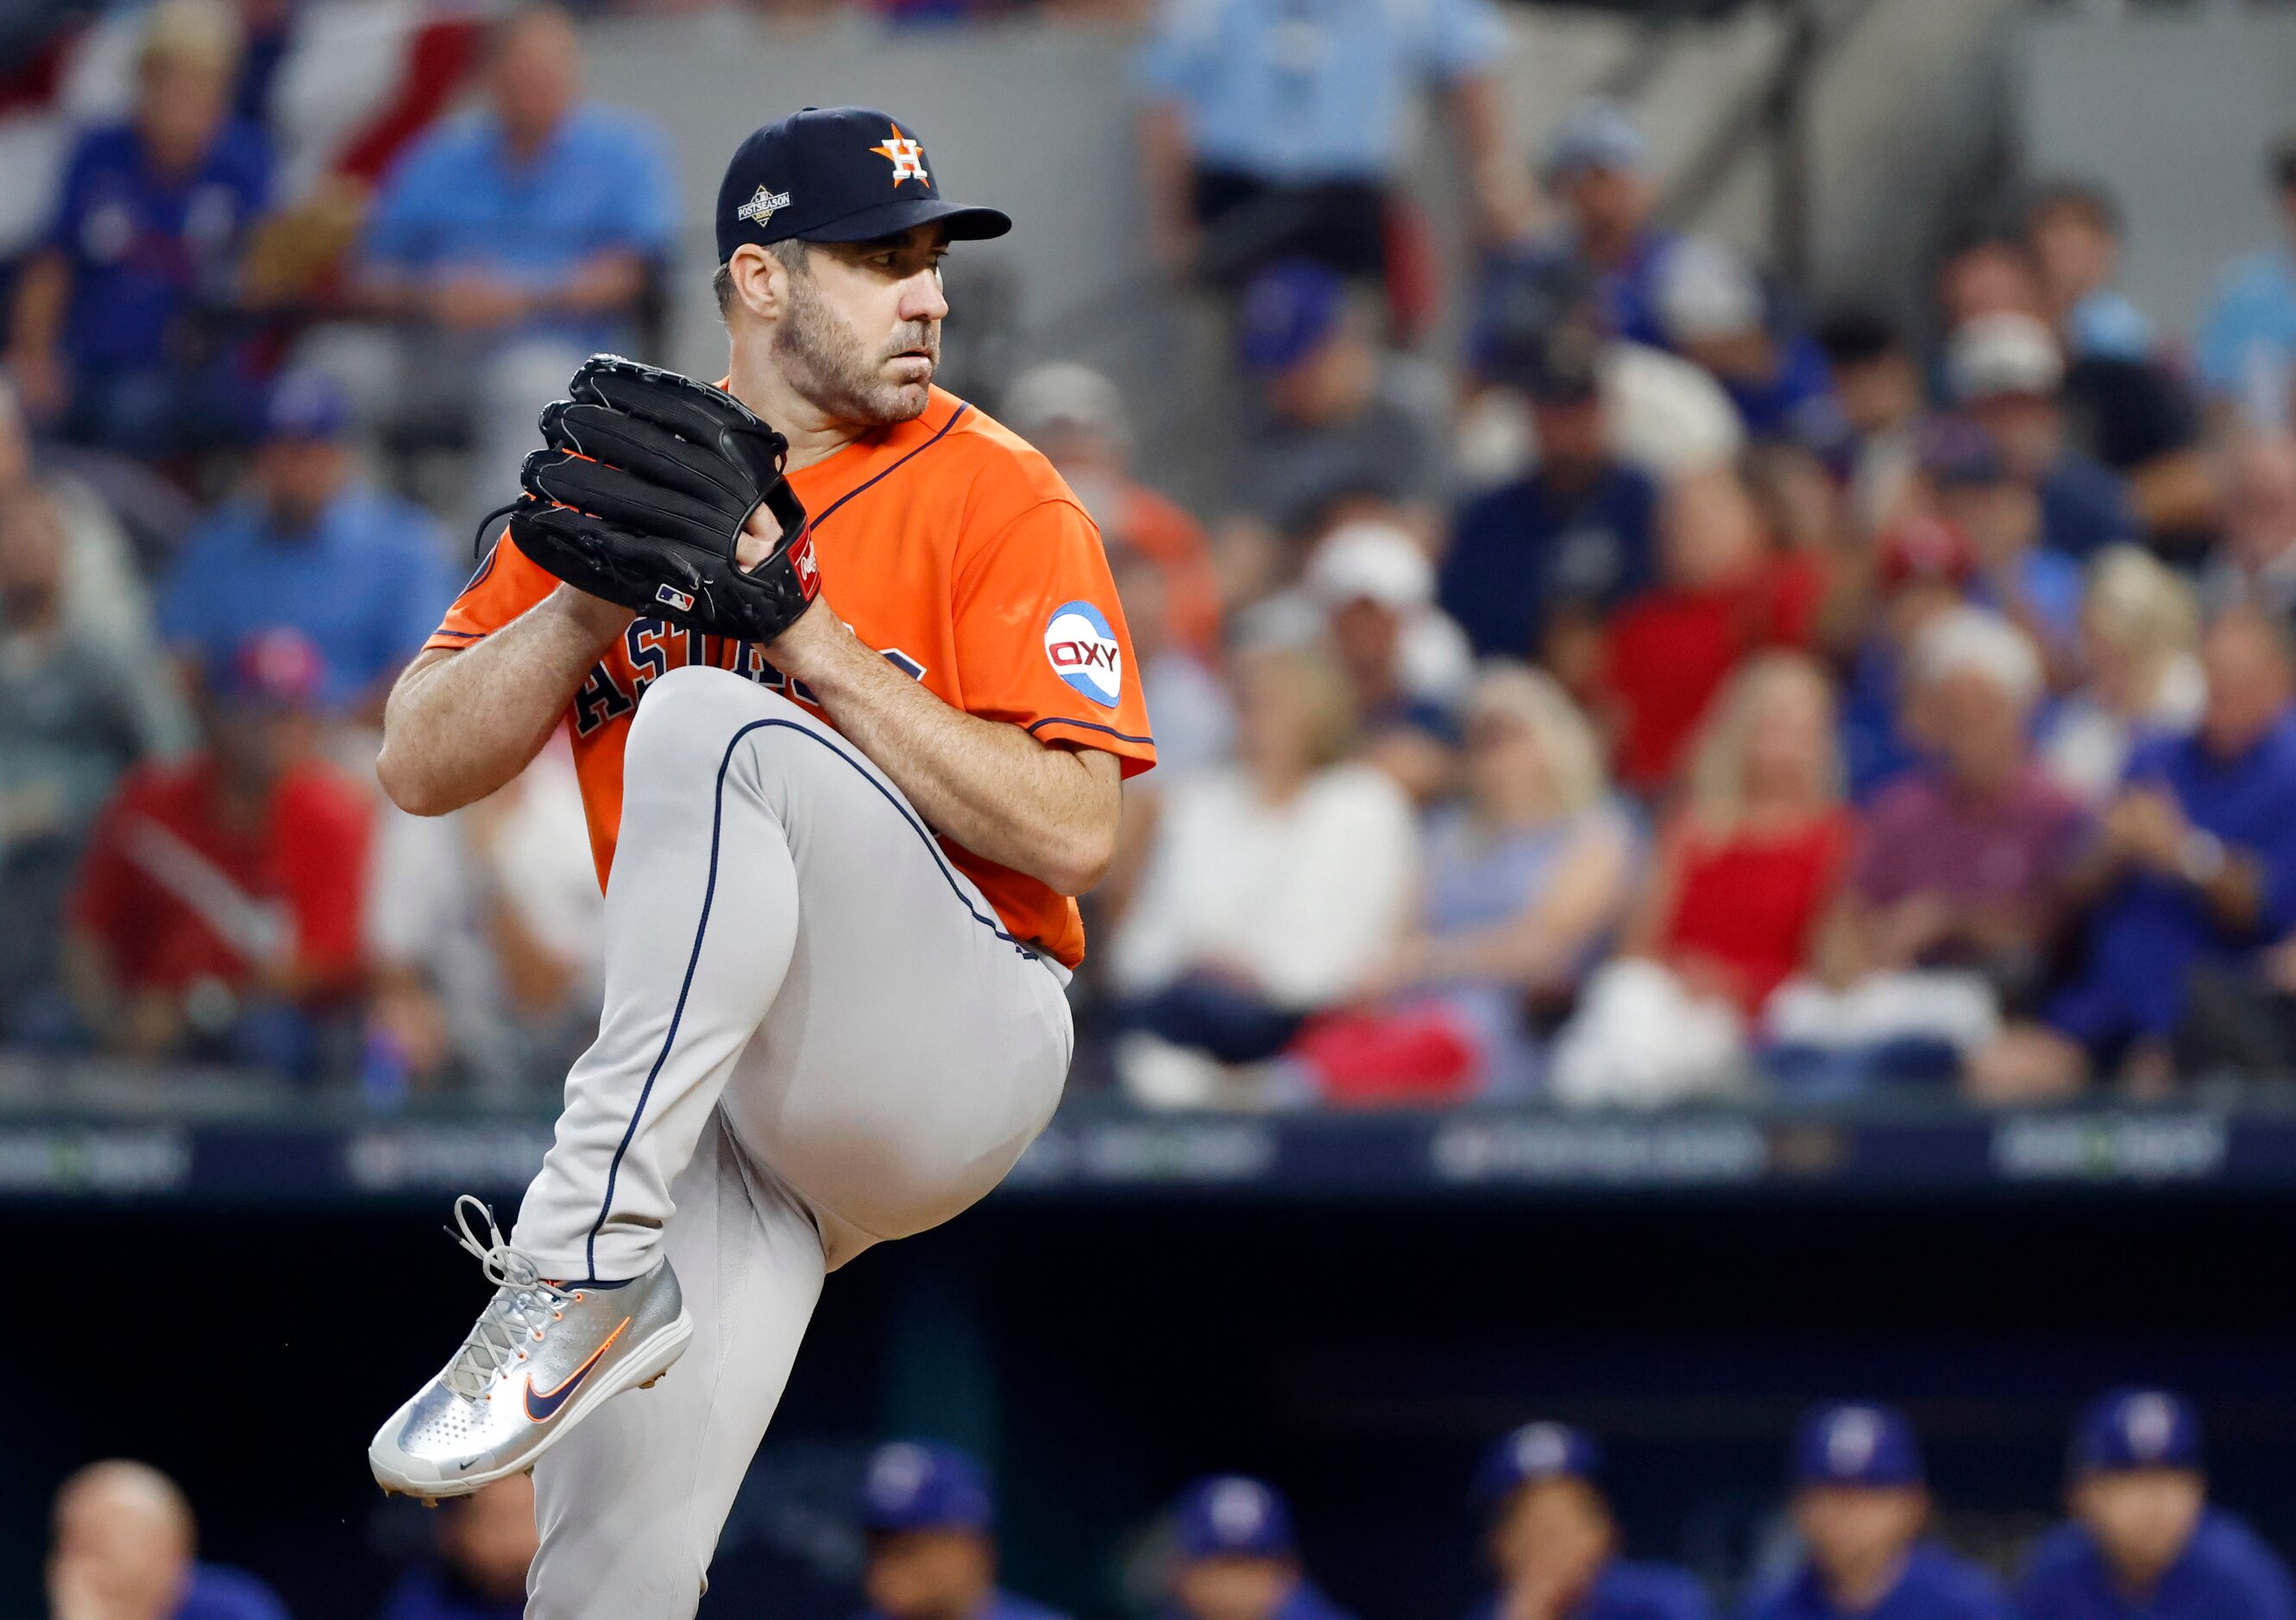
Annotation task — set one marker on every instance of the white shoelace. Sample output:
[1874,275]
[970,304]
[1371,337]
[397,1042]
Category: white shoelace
[522,1307]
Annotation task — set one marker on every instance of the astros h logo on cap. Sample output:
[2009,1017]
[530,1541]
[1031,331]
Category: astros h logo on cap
[838,174]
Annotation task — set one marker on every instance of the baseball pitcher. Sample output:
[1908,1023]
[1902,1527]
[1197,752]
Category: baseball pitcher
[852,699]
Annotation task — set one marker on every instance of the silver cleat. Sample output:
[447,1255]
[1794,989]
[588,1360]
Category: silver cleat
[541,1356]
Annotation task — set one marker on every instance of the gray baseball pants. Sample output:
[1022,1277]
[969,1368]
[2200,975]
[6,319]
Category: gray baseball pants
[816,1036]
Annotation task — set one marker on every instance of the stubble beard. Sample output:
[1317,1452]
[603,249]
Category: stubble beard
[825,362]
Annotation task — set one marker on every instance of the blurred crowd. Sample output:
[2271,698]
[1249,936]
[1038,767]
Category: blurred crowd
[1669,690]
[1853,1537]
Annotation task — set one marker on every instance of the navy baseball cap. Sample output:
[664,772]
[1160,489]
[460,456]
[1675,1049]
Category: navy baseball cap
[915,1484]
[837,173]
[1856,1443]
[1533,1452]
[1231,1516]
[2134,1427]
[1286,312]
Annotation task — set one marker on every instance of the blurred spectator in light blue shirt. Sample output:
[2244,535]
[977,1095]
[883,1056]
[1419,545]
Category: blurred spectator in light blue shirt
[2246,349]
[506,245]
[119,331]
[124,1539]
[313,547]
[1273,128]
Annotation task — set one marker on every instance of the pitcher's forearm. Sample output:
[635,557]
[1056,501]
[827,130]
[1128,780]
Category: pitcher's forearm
[460,724]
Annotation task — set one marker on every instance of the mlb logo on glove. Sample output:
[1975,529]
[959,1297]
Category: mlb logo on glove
[670,596]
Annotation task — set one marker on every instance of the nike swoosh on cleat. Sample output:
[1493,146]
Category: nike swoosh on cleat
[542,1405]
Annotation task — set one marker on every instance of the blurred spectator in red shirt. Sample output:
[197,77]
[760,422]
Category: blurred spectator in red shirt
[218,910]
[1722,595]
[1076,416]
[1746,872]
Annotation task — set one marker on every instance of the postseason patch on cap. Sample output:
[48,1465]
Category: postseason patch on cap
[1084,652]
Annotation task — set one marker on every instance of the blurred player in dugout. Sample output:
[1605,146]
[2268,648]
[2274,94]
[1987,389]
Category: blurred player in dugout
[2142,1541]
[931,1530]
[1861,1503]
[1235,1558]
[1554,1545]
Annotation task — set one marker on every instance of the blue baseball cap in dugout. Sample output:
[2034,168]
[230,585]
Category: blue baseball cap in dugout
[2136,1427]
[1857,1442]
[1232,1516]
[1535,1452]
[838,174]
[915,1485]
[1286,313]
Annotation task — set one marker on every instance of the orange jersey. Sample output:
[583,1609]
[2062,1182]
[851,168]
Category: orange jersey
[951,547]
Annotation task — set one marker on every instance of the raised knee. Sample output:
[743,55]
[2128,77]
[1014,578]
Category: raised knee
[690,709]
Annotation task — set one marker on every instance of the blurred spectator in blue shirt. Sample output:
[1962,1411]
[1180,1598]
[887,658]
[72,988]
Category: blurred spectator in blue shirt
[1236,1557]
[1860,1504]
[485,1541]
[1715,312]
[317,548]
[1272,128]
[2193,866]
[124,1540]
[1535,560]
[75,713]
[2005,371]
[1878,386]
[1661,413]
[108,336]
[1971,484]
[505,245]
[932,1538]
[1342,428]
[2144,1544]
[1597,165]
[1553,1544]
[2246,350]
[2073,231]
